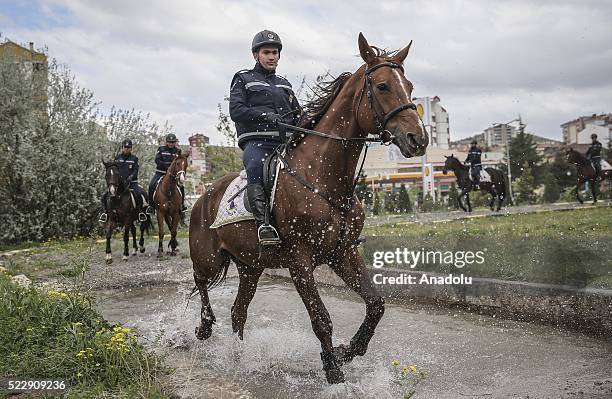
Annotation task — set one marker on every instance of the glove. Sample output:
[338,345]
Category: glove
[272,118]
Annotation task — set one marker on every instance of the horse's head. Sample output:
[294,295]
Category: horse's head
[451,163]
[574,156]
[178,168]
[113,178]
[388,108]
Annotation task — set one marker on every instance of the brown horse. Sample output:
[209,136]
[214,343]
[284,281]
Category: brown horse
[496,188]
[121,212]
[585,172]
[318,216]
[168,202]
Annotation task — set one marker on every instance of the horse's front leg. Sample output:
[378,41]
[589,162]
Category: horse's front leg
[467,201]
[301,274]
[143,226]
[126,242]
[160,233]
[594,189]
[493,193]
[353,272]
[108,232]
[134,242]
[173,231]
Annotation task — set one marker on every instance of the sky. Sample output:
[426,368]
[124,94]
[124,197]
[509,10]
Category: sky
[488,61]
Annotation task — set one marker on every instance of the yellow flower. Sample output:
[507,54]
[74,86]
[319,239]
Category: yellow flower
[395,362]
[58,294]
[405,369]
[413,368]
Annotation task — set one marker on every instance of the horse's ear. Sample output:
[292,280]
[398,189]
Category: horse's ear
[403,53]
[367,53]
[452,155]
[106,164]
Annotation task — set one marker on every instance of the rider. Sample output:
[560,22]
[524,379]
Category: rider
[128,169]
[593,154]
[163,159]
[473,158]
[259,100]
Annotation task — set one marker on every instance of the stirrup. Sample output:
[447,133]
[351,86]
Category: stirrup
[142,217]
[149,210]
[268,240]
[103,218]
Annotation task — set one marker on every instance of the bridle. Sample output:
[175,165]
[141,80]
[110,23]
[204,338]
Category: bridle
[380,117]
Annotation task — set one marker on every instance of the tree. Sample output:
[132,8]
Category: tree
[376,207]
[453,197]
[524,186]
[552,190]
[223,160]
[403,200]
[390,202]
[51,174]
[562,171]
[523,150]
[363,191]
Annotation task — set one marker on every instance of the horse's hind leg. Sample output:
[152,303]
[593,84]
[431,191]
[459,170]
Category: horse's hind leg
[580,182]
[459,197]
[142,231]
[354,273]
[493,193]
[204,273]
[467,200]
[246,290]
[594,189]
[301,274]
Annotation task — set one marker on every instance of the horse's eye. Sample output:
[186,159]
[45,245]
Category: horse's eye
[382,86]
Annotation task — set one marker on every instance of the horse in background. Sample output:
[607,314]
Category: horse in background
[496,188]
[168,202]
[122,212]
[586,173]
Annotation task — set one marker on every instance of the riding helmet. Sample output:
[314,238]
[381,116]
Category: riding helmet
[266,37]
[171,138]
[127,143]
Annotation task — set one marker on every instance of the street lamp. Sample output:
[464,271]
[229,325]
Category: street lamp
[507,143]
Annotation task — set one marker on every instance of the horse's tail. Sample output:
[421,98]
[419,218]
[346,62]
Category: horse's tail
[220,276]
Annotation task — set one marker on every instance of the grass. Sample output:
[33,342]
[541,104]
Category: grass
[562,247]
[59,335]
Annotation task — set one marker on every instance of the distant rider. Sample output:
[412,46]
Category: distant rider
[163,159]
[593,154]
[128,169]
[473,157]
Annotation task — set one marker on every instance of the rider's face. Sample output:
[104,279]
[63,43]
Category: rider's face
[268,57]
[127,150]
[170,144]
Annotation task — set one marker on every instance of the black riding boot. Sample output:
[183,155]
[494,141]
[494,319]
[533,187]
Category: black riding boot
[266,233]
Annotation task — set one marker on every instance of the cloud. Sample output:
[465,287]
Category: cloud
[488,61]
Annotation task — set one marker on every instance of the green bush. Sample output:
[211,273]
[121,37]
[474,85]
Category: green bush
[60,335]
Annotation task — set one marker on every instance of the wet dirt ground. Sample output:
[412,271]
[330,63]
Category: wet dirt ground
[462,354]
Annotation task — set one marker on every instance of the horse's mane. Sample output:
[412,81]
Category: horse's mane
[325,91]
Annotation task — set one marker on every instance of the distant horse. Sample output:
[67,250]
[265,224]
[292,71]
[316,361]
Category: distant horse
[586,173]
[121,212]
[496,188]
[168,202]
[319,218]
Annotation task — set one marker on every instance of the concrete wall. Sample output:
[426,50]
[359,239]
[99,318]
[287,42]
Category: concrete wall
[586,310]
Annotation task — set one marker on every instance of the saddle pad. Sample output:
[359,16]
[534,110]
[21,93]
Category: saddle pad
[605,165]
[234,211]
[485,177]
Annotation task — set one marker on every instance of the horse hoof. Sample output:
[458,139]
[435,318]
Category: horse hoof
[335,376]
[160,255]
[142,250]
[343,353]
[134,253]
[109,261]
[125,258]
[202,333]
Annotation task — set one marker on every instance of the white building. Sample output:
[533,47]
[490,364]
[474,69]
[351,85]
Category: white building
[435,118]
[578,131]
